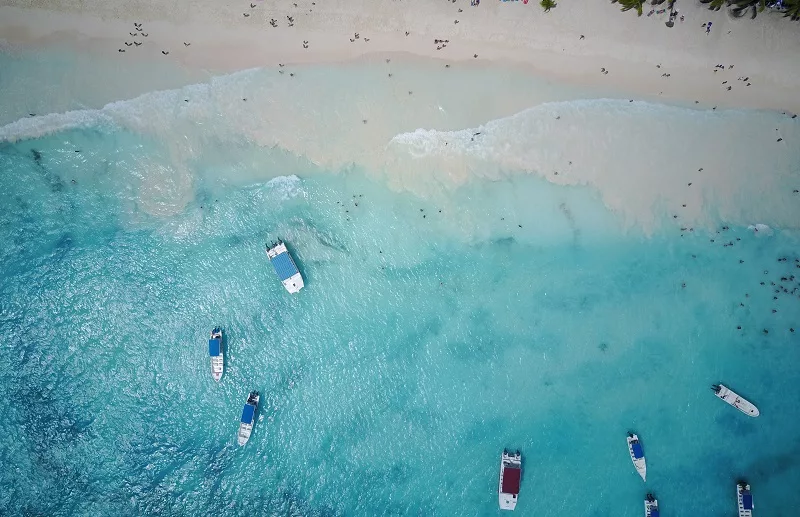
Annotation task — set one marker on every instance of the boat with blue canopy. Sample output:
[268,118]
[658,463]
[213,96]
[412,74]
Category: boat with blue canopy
[216,353]
[248,418]
[637,455]
[285,267]
[651,506]
[744,499]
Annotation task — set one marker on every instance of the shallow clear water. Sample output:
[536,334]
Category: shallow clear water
[433,332]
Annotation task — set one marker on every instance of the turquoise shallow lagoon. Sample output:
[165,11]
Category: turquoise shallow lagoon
[434,331]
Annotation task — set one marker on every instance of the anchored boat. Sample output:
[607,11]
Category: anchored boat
[510,475]
[217,356]
[248,417]
[745,499]
[651,506]
[285,267]
[637,455]
[732,398]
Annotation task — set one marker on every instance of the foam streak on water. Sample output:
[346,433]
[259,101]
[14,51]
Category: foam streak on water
[439,323]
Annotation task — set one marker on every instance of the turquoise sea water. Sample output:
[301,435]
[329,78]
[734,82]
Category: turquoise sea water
[433,332]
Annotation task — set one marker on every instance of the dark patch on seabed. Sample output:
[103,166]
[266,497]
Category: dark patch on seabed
[63,245]
[329,241]
[775,464]
[290,503]
[53,179]
[234,241]
[504,241]
[735,425]
[54,423]
[54,426]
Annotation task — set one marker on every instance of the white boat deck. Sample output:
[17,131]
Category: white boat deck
[651,507]
[744,499]
[637,455]
[248,418]
[217,354]
[735,400]
[285,268]
[510,477]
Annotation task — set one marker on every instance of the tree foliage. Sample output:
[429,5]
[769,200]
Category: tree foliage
[792,9]
[627,5]
[547,5]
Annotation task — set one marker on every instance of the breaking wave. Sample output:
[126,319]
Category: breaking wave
[648,162]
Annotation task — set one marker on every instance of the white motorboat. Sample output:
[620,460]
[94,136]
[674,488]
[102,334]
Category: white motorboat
[510,476]
[285,267]
[637,455]
[735,400]
[651,506]
[216,353]
[744,499]
[248,418]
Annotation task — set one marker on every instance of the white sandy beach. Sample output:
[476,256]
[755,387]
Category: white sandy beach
[421,142]
[635,50]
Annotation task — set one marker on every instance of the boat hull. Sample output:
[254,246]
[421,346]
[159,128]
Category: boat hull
[744,500]
[217,361]
[217,369]
[294,284]
[285,267]
[510,476]
[245,430]
[734,399]
[248,419]
[651,508]
[640,464]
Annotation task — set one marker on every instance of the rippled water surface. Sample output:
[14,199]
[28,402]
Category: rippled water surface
[433,332]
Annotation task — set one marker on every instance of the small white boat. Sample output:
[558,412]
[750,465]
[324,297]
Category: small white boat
[285,267]
[637,455]
[744,499]
[651,506]
[732,398]
[248,417]
[216,353]
[510,475]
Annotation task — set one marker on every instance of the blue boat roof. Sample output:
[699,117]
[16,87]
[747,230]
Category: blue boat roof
[747,501]
[637,450]
[654,513]
[247,414]
[214,347]
[284,266]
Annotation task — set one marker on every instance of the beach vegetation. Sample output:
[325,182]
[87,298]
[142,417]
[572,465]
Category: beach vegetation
[715,5]
[627,5]
[792,9]
[739,8]
[547,5]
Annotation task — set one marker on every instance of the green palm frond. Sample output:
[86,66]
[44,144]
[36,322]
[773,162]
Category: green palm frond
[716,5]
[547,5]
[627,5]
[739,8]
[791,9]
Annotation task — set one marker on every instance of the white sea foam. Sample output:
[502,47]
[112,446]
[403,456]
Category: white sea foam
[287,187]
[761,230]
[640,157]
[38,126]
[647,161]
